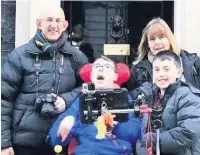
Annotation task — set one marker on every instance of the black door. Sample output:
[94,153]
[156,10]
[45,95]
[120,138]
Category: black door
[90,23]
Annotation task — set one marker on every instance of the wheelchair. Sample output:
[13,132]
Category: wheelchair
[123,76]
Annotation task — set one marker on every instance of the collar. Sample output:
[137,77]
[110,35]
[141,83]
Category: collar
[170,90]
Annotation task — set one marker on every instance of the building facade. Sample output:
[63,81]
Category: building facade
[8,10]
[92,20]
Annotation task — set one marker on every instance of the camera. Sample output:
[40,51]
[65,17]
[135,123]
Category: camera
[44,105]
[88,88]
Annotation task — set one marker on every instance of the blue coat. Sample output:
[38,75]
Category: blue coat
[180,132]
[127,134]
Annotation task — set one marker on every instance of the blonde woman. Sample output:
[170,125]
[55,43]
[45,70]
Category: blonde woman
[156,37]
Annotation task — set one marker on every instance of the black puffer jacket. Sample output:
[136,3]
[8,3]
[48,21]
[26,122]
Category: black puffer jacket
[180,131]
[142,72]
[20,123]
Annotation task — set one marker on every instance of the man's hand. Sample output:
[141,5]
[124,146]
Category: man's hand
[7,151]
[65,127]
[59,104]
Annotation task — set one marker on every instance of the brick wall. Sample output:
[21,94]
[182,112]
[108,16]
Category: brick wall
[7,27]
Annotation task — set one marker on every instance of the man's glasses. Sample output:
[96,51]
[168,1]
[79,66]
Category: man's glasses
[51,20]
[105,66]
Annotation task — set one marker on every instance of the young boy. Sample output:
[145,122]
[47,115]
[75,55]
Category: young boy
[180,117]
[68,124]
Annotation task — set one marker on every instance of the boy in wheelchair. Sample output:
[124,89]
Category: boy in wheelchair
[104,75]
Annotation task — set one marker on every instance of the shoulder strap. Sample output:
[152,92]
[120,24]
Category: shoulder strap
[37,66]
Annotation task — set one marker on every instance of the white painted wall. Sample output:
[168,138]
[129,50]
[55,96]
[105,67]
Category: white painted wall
[186,21]
[22,27]
[187,24]
[26,15]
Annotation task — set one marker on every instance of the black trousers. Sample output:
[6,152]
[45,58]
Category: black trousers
[42,150]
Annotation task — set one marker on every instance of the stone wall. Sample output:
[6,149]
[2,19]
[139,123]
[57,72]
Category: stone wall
[7,27]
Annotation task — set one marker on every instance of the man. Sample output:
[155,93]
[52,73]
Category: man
[37,83]
[103,75]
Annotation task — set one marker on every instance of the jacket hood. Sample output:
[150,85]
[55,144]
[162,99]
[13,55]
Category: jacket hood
[188,56]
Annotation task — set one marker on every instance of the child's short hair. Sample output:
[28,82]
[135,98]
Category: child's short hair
[107,59]
[168,55]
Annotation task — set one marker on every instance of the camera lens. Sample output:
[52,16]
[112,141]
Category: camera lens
[47,110]
[91,86]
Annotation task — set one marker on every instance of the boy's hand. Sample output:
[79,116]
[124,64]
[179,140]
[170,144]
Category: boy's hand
[149,138]
[65,127]
[7,151]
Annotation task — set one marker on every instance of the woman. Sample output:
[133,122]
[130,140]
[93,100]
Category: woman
[156,37]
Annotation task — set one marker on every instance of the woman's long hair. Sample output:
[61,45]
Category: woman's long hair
[159,26]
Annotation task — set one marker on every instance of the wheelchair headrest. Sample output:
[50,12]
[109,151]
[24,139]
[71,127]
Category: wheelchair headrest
[123,72]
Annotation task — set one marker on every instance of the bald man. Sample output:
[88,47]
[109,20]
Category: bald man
[58,25]
[38,79]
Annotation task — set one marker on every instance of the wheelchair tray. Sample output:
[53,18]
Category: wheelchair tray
[114,99]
